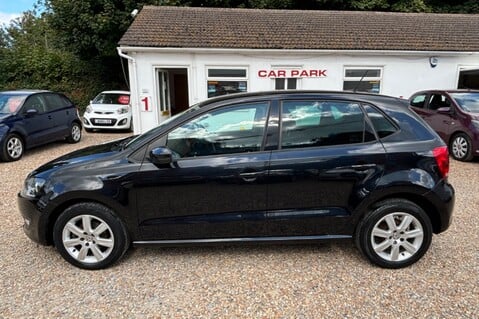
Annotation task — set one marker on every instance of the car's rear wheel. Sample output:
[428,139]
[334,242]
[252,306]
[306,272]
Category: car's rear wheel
[461,147]
[12,149]
[75,133]
[90,236]
[396,234]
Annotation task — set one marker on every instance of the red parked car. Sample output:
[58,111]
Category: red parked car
[454,115]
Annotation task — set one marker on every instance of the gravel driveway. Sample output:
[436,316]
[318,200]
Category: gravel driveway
[330,280]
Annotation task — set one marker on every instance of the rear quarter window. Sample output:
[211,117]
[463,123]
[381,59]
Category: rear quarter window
[382,125]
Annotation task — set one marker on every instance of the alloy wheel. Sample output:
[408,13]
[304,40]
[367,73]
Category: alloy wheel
[397,236]
[88,239]
[14,147]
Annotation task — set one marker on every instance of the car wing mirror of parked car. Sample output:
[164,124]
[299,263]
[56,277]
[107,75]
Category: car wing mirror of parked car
[31,112]
[444,110]
[161,156]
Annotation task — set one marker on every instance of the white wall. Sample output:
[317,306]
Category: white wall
[403,73]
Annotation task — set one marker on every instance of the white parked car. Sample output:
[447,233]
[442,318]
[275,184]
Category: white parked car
[109,110]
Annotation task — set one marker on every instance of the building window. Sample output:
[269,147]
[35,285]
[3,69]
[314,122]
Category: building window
[226,81]
[362,79]
[285,83]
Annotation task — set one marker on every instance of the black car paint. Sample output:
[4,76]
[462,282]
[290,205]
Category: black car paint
[238,196]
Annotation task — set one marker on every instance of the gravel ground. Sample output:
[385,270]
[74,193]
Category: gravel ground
[330,280]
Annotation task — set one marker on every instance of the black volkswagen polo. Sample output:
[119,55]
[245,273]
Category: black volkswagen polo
[257,167]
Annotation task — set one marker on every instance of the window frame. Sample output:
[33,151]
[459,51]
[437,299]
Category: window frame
[226,78]
[362,79]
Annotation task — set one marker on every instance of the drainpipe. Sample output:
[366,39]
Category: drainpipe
[133,91]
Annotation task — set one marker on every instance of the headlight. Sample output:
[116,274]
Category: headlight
[33,187]
[88,109]
[122,110]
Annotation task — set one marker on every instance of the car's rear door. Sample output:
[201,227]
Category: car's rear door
[61,111]
[329,158]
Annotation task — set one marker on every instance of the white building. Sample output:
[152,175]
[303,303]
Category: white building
[178,56]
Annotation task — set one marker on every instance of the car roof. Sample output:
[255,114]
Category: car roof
[24,91]
[446,91]
[301,94]
[115,92]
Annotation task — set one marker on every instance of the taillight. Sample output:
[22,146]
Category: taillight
[441,154]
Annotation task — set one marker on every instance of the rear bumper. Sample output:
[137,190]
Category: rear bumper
[443,198]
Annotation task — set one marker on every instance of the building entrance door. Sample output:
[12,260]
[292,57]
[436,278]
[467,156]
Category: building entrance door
[172,90]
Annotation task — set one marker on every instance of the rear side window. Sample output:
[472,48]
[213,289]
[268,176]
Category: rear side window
[381,124]
[322,123]
[55,102]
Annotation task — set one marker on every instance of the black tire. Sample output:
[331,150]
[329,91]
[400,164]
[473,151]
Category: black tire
[395,246]
[12,148]
[461,147]
[75,133]
[98,240]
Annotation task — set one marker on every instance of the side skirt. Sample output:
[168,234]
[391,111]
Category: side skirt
[242,240]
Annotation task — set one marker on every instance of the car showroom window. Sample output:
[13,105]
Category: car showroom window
[285,83]
[223,81]
[361,79]
[321,123]
[235,129]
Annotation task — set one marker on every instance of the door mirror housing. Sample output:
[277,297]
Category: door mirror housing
[31,112]
[161,156]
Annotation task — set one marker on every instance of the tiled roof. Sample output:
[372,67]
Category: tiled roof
[188,27]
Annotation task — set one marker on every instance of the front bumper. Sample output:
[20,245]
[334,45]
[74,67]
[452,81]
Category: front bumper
[101,121]
[35,222]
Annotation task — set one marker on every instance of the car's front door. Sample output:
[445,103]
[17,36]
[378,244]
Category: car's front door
[37,122]
[215,184]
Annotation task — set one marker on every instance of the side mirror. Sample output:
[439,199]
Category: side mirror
[31,112]
[161,156]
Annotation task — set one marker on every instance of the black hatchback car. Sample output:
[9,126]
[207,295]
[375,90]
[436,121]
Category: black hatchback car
[32,118]
[258,167]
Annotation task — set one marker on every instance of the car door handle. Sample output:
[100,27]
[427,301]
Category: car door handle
[250,176]
[49,117]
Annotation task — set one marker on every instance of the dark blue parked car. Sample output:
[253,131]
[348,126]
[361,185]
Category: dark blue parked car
[31,118]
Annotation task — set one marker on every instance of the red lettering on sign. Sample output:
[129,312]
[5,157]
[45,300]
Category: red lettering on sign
[262,73]
[281,73]
[313,72]
[294,73]
[322,73]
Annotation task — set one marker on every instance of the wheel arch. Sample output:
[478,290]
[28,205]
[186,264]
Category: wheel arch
[429,208]
[58,210]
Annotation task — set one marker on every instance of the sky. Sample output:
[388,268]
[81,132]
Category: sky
[11,9]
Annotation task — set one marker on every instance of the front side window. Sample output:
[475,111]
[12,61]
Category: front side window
[437,101]
[360,79]
[321,123]
[223,81]
[235,129]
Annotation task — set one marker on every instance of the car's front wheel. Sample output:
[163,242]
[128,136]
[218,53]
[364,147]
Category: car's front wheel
[461,147]
[396,234]
[12,148]
[90,236]
[75,133]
